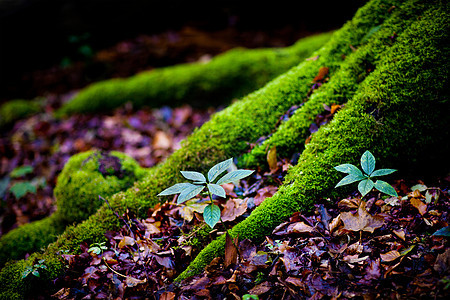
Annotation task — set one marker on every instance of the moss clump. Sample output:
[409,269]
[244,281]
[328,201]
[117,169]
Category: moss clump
[85,177]
[400,113]
[227,76]
[14,110]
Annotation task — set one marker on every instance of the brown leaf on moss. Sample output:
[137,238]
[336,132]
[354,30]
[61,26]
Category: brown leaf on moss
[421,207]
[264,193]
[323,71]
[361,220]
[272,159]
[231,252]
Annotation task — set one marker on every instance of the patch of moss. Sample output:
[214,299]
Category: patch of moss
[14,110]
[290,136]
[85,177]
[400,113]
[228,76]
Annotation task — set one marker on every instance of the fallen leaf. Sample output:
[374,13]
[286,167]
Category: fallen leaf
[400,233]
[323,71]
[126,241]
[335,223]
[233,209]
[442,263]
[231,252]
[334,108]
[264,193]
[131,281]
[167,296]
[272,159]
[390,256]
[295,281]
[301,227]
[194,205]
[161,141]
[421,207]
[260,289]
[349,203]
[361,220]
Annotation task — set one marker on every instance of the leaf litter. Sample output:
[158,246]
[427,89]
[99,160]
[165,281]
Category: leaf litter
[342,249]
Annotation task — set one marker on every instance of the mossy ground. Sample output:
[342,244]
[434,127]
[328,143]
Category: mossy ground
[85,177]
[398,112]
[226,77]
[14,110]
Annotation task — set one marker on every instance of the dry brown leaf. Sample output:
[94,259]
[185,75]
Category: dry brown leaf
[161,141]
[323,71]
[264,193]
[295,281]
[260,289]
[390,256]
[126,241]
[167,296]
[272,159]
[301,227]
[131,281]
[231,253]
[334,108]
[421,207]
[361,220]
[400,233]
[233,209]
[355,248]
[349,203]
[335,223]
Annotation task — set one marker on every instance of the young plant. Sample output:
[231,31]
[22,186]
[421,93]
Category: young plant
[366,183]
[187,191]
[97,248]
[34,269]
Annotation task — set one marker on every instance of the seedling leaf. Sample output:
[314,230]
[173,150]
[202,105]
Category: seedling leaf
[36,273]
[234,176]
[21,171]
[350,179]
[365,186]
[219,169]
[189,192]
[20,189]
[386,188]
[349,169]
[217,190]
[382,172]
[195,176]
[211,214]
[368,162]
[175,189]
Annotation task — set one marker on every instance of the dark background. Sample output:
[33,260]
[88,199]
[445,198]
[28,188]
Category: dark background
[39,34]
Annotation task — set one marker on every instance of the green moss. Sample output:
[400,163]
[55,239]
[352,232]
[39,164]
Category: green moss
[400,113]
[290,136]
[83,179]
[227,76]
[14,110]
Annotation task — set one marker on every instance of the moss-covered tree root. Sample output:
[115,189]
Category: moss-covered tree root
[227,76]
[229,134]
[400,113]
[84,177]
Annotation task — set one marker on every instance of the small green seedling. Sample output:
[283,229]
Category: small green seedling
[34,269]
[365,179]
[187,191]
[97,248]
[248,297]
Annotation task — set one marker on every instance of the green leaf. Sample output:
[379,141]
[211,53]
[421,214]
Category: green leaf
[195,176]
[349,169]
[382,172]
[234,176]
[211,214]
[419,187]
[386,188]
[217,190]
[175,189]
[36,273]
[219,169]
[443,232]
[350,179]
[189,192]
[365,186]
[368,162]
[21,171]
[20,189]
[27,272]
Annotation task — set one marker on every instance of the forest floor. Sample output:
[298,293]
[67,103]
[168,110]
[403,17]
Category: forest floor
[375,247]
